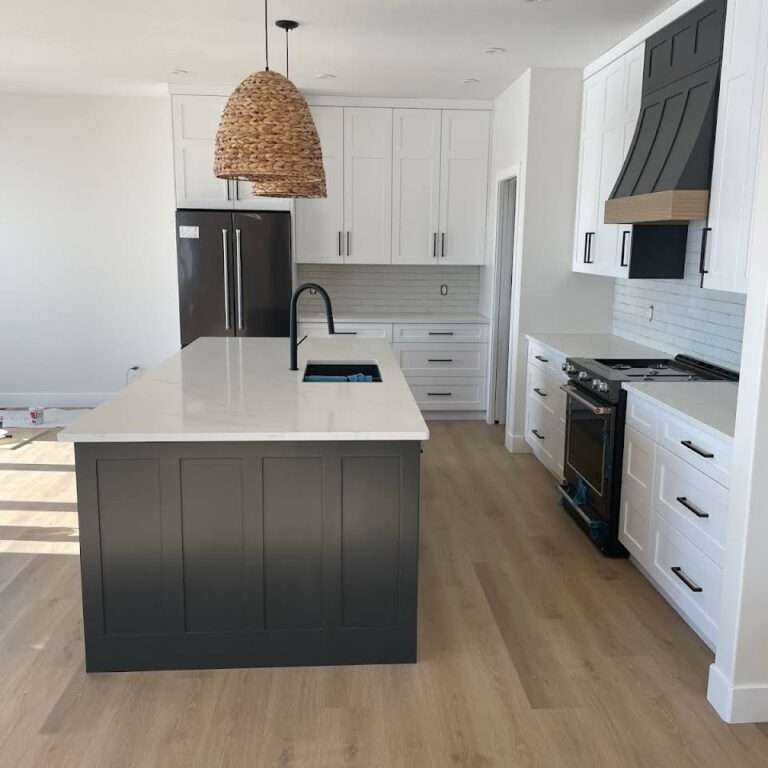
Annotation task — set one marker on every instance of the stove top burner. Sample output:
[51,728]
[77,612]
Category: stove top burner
[603,378]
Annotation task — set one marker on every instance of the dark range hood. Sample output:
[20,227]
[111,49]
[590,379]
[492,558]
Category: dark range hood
[667,174]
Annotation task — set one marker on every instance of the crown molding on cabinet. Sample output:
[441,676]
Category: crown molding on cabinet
[321,100]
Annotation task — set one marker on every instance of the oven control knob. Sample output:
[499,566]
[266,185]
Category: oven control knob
[583,375]
[570,368]
[595,383]
[602,386]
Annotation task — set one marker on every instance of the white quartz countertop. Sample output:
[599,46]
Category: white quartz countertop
[711,403]
[594,345]
[393,317]
[240,389]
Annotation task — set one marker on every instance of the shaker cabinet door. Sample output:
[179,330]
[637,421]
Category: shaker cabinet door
[195,122]
[415,185]
[320,222]
[367,186]
[463,187]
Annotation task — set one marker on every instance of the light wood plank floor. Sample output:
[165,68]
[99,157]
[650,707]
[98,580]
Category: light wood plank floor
[534,650]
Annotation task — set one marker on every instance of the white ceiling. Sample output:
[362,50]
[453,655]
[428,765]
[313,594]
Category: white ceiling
[420,48]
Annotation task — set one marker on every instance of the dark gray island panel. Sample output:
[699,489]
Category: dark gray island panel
[197,555]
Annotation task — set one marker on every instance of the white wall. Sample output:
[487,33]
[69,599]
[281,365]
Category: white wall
[87,248]
[686,318]
[548,296]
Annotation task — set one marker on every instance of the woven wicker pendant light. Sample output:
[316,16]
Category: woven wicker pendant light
[267,135]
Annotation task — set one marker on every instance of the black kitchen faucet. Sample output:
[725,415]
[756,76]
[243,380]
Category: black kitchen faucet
[294,301]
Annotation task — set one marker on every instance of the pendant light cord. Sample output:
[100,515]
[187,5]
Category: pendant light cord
[287,76]
[266,37]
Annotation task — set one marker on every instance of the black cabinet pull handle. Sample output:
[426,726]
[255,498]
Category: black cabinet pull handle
[345,333]
[541,359]
[442,245]
[695,448]
[538,434]
[691,507]
[434,245]
[687,580]
[588,248]
[440,333]
[624,262]
[439,359]
[439,394]
[349,244]
[339,243]
[703,256]
[539,392]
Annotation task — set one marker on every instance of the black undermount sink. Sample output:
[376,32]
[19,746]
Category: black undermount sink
[334,370]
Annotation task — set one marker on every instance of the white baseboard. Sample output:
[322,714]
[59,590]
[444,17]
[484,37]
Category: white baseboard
[516,443]
[453,415]
[737,703]
[53,399]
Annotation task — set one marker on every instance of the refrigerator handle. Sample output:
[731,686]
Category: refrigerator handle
[226,276]
[239,278]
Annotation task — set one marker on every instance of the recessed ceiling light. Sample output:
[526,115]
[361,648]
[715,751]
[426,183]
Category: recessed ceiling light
[494,49]
[533,2]
[326,76]
[470,80]
[179,71]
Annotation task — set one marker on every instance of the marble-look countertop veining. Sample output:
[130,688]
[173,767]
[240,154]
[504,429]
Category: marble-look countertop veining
[711,403]
[393,317]
[240,389]
[604,345]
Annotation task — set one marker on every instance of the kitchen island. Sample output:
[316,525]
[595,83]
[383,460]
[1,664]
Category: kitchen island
[233,515]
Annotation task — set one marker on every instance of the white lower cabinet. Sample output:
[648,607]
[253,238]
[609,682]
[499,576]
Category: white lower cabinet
[545,407]
[673,510]
[445,364]
[448,393]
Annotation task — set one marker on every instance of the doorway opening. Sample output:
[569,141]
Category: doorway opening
[503,298]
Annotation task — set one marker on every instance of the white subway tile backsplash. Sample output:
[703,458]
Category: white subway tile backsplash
[687,319]
[393,288]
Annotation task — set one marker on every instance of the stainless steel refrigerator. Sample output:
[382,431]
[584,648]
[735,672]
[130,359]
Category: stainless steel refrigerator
[234,273]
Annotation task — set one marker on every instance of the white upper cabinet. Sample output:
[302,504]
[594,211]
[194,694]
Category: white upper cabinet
[195,122]
[463,187]
[367,185]
[320,222]
[742,92]
[416,185]
[610,109]
[414,190]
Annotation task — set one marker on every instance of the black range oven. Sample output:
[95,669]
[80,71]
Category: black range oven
[594,436]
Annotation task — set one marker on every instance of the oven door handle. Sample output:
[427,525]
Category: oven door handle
[597,408]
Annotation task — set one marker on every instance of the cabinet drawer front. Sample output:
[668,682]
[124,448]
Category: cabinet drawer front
[437,360]
[697,447]
[440,332]
[694,584]
[544,437]
[449,394]
[635,525]
[545,389]
[360,330]
[692,503]
[642,416]
[637,466]
[547,359]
